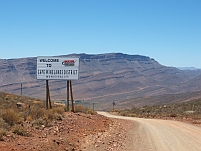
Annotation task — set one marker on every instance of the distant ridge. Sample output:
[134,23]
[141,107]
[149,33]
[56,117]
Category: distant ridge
[188,68]
[111,76]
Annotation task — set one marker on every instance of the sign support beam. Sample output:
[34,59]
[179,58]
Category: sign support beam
[48,101]
[47,94]
[67,103]
[71,91]
[58,68]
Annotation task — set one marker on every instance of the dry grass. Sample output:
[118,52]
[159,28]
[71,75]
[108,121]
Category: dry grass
[190,109]
[12,117]
[82,109]
[2,133]
[20,130]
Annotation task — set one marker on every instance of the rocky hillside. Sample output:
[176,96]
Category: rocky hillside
[112,76]
[34,128]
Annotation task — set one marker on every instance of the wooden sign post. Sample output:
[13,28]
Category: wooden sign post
[48,95]
[113,105]
[67,103]
[58,68]
[69,84]
[21,88]
[71,91]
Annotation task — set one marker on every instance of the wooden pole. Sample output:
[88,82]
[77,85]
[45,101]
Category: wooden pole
[47,94]
[67,103]
[21,88]
[113,105]
[49,97]
[93,106]
[71,91]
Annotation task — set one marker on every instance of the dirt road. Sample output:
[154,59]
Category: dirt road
[161,135]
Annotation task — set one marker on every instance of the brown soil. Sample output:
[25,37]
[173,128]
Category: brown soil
[76,131]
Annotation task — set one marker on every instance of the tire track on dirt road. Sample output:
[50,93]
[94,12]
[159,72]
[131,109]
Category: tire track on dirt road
[161,135]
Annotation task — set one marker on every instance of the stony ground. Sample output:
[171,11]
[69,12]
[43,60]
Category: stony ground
[76,131]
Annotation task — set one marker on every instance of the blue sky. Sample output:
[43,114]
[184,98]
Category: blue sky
[167,30]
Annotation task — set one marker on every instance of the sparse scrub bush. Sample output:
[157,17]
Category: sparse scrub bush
[20,130]
[140,116]
[91,112]
[82,109]
[188,110]
[39,122]
[36,102]
[2,133]
[59,110]
[11,117]
[173,115]
[42,113]
[55,114]
[115,111]
[38,113]
[29,118]
[58,116]
[124,113]
[50,115]
[132,115]
[4,125]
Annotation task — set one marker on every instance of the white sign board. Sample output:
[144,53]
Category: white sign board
[57,68]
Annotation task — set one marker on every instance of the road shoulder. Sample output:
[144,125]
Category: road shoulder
[115,138]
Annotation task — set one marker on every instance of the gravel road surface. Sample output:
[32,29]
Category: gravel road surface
[160,135]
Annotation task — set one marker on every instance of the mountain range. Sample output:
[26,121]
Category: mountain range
[188,68]
[102,78]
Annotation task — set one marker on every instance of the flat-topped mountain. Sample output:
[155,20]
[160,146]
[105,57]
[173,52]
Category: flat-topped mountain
[112,76]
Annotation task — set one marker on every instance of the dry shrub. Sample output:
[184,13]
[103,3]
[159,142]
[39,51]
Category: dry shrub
[42,113]
[20,130]
[4,125]
[141,116]
[38,113]
[173,115]
[39,122]
[36,102]
[50,115]
[29,118]
[2,133]
[124,113]
[92,112]
[132,115]
[11,117]
[58,117]
[59,110]
[82,109]
[116,110]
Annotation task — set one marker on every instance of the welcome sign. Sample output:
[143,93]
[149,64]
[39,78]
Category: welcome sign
[57,68]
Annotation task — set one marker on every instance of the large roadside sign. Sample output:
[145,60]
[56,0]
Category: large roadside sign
[57,68]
